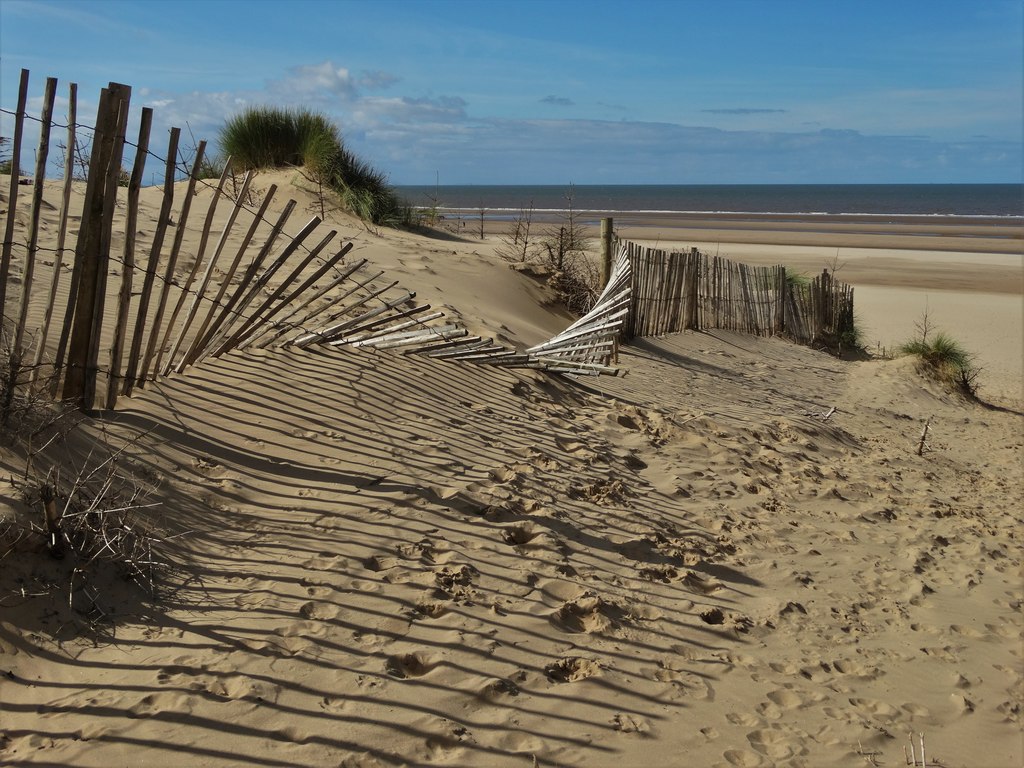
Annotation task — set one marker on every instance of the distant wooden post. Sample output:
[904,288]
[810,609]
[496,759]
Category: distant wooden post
[781,286]
[691,286]
[606,251]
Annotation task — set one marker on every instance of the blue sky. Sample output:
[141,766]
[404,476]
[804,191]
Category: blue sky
[531,92]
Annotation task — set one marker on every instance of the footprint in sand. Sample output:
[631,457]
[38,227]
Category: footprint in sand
[455,582]
[572,669]
[775,744]
[318,611]
[379,563]
[408,665]
[787,698]
[315,588]
[520,535]
[686,684]
[587,614]
[743,758]
[253,594]
[333,703]
[874,708]
[156,703]
[625,723]
[431,609]
[499,688]
[325,561]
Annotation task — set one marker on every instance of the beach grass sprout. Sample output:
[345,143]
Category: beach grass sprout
[943,358]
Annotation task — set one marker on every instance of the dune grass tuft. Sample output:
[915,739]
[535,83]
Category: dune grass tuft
[272,137]
[944,359]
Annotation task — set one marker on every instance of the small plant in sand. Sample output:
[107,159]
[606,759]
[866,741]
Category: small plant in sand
[6,163]
[852,339]
[941,357]
[83,523]
[517,244]
[576,277]
[797,279]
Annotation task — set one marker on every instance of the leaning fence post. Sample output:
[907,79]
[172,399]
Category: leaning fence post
[12,200]
[33,232]
[124,297]
[606,251]
[62,227]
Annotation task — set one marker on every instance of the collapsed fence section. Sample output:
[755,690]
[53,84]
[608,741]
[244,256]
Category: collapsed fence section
[692,290]
[145,296]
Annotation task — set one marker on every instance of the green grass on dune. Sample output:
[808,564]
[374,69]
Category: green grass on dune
[272,137]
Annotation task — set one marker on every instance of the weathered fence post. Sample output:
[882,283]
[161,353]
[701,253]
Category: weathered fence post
[12,200]
[693,259]
[62,227]
[97,218]
[28,273]
[606,251]
[142,311]
[128,267]
[781,287]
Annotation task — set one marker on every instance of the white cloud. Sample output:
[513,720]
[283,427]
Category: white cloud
[316,81]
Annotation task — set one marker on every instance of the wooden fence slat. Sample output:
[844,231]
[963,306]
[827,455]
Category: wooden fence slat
[121,100]
[328,332]
[204,240]
[12,197]
[87,249]
[163,220]
[308,336]
[264,325]
[286,324]
[245,289]
[253,326]
[264,279]
[62,229]
[172,262]
[28,272]
[200,292]
[372,330]
[202,335]
[128,258]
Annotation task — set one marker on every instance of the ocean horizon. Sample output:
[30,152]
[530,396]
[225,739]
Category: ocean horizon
[982,200]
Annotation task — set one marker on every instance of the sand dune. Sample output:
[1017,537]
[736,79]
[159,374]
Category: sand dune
[381,560]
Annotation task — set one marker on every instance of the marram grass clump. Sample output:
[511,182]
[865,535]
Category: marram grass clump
[945,360]
[272,137]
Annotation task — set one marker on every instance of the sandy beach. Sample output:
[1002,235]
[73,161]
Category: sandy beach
[375,559]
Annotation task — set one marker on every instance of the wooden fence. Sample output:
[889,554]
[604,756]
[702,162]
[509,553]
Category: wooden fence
[242,279]
[691,290]
[137,303]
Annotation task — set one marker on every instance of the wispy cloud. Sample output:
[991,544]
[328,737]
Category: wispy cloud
[558,101]
[377,80]
[744,111]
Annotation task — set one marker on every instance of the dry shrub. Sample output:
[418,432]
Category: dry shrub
[82,522]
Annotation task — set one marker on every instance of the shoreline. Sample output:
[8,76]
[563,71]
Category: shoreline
[913,233]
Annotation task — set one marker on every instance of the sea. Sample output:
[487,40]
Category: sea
[981,200]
